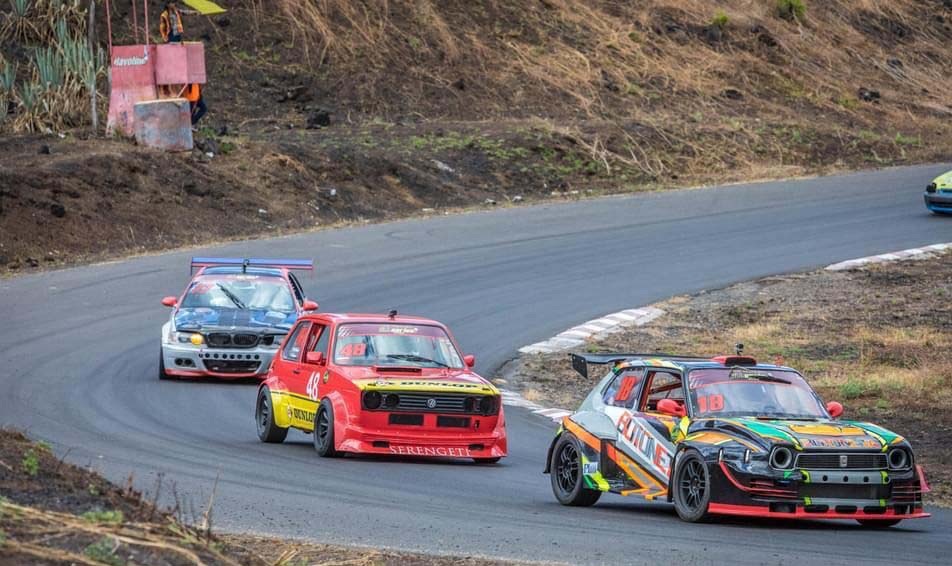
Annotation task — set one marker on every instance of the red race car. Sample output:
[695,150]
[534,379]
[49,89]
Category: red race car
[380,384]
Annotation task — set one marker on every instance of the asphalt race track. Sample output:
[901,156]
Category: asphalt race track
[79,356]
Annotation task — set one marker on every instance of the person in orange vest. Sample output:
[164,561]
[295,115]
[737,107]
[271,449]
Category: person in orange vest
[193,93]
[170,24]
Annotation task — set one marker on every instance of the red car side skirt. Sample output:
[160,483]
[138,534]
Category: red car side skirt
[763,511]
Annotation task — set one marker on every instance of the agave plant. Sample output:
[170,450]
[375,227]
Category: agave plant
[18,25]
[50,68]
[8,77]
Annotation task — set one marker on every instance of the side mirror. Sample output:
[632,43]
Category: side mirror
[170,301]
[316,358]
[469,360]
[671,407]
[835,409]
[309,305]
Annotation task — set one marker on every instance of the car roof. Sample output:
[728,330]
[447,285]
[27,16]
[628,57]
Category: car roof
[371,318]
[227,270]
[686,365]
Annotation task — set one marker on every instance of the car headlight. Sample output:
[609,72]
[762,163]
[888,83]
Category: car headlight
[930,188]
[899,459]
[193,338]
[781,458]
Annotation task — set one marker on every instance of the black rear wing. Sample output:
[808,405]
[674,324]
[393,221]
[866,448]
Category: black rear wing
[580,362]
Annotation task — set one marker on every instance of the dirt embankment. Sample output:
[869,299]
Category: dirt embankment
[878,339]
[334,111]
[54,513]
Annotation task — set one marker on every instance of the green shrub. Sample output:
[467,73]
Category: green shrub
[30,463]
[720,20]
[114,517]
[102,551]
[791,9]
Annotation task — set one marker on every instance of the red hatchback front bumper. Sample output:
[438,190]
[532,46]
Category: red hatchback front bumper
[375,433]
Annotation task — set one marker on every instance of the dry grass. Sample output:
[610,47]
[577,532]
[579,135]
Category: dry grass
[662,72]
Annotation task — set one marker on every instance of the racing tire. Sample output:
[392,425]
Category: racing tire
[324,430]
[162,374]
[487,461]
[568,483]
[268,430]
[875,524]
[692,487]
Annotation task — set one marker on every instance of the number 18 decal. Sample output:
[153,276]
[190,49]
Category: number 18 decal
[713,402]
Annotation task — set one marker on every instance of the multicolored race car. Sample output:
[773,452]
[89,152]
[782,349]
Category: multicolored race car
[231,318]
[729,436]
[938,194]
[380,384]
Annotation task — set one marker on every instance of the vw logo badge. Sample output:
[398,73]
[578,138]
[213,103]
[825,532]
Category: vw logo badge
[431,403]
[844,460]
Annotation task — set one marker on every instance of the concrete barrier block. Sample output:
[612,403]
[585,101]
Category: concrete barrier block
[164,124]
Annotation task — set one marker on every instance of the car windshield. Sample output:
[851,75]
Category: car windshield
[382,344]
[752,392]
[240,291]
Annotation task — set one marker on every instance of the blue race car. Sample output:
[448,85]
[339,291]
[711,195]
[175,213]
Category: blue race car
[232,317]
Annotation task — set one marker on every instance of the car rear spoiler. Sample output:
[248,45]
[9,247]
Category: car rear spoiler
[580,361]
[245,263]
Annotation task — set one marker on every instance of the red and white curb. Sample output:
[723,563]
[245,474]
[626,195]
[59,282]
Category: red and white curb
[903,255]
[573,338]
[578,335]
[513,399]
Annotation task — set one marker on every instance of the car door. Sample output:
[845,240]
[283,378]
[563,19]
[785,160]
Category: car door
[644,434]
[289,368]
[314,375]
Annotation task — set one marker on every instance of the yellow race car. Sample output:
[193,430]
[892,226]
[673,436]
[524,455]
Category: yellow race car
[938,194]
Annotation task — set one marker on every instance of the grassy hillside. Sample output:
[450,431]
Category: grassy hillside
[351,110]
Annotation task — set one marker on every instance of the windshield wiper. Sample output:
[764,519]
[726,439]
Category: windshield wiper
[231,296]
[415,358]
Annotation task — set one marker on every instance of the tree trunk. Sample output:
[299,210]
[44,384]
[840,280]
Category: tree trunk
[91,29]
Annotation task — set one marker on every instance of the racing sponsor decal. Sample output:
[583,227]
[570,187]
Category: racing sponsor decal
[840,442]
[448,451]
[644,442]
[589,468]
[301,414]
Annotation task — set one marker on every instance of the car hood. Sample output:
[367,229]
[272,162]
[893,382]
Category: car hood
[944,181]
[203,319]
[820,433]
[429,380]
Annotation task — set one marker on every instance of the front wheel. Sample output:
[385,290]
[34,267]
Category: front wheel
[162,373]
[692,487]
[268,430]
[876,524]
[324,430]
[565,469]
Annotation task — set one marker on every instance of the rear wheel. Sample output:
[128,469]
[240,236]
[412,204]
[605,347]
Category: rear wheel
[324,430]
[692,487]
[565,472]
[875,524]
[268,430]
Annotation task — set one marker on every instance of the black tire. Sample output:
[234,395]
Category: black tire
[324,430]
[878,524]
[565,473]
[162,374]
[268,430]
[692,487]
[487,461]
